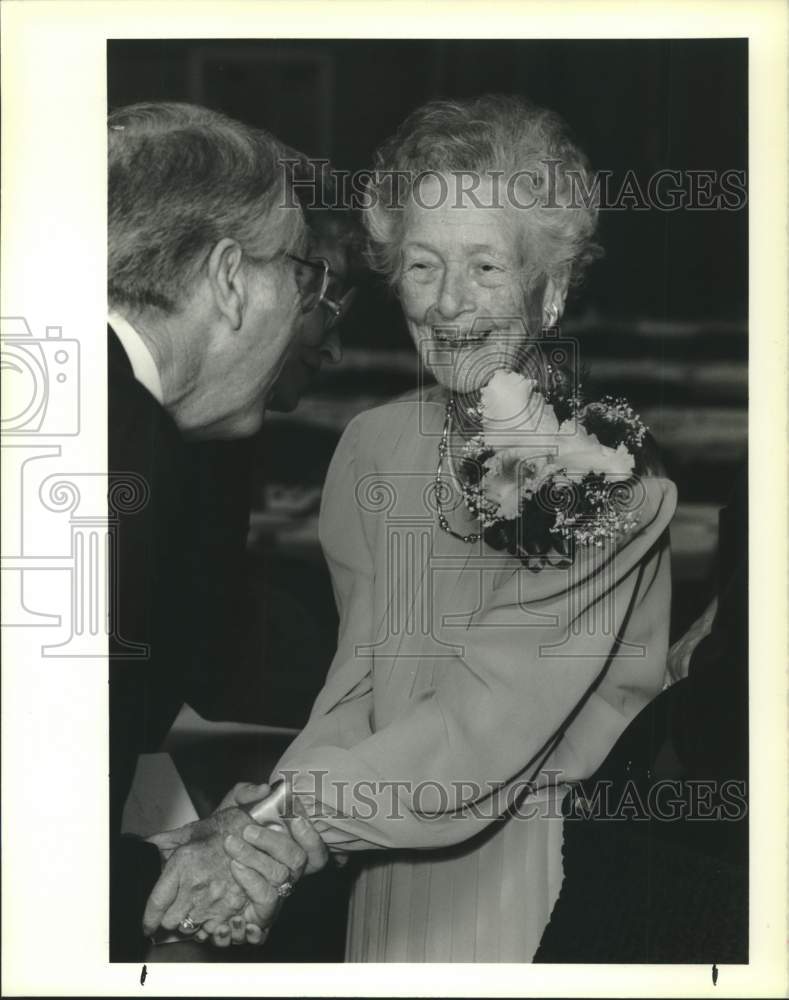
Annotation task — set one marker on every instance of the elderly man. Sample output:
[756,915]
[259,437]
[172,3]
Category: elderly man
[206,298]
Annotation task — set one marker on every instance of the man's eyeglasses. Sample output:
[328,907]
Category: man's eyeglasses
[314,277]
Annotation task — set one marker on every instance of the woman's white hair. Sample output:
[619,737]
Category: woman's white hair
[544,176]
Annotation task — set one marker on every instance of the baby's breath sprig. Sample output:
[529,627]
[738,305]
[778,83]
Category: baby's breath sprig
[614,421]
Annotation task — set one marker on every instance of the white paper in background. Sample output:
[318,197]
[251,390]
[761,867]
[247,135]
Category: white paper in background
[193,726]
[158,799]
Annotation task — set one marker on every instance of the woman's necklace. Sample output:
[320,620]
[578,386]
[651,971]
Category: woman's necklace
[443,448]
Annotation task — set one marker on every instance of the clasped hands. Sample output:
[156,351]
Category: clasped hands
[224,875]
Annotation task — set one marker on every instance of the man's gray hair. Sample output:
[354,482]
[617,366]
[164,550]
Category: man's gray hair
[181,178]
[493,134]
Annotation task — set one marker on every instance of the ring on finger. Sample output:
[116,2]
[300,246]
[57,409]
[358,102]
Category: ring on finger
[188,926]
[285,890]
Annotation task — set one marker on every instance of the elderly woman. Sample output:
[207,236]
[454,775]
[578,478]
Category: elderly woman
[470,687]
[467,692]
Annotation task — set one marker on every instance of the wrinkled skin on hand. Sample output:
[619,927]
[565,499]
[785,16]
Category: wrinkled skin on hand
[197,879]
[223,872]
[261,861]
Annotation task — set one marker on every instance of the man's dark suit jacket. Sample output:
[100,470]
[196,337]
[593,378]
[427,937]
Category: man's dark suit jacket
[178,587]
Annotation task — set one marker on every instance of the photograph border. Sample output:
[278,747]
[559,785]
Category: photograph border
[55,880]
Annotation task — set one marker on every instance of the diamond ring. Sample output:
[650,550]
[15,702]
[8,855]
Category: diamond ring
[284,890]
[187,925]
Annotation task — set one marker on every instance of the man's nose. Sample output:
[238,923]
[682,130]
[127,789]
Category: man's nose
[454,296]
[331,346]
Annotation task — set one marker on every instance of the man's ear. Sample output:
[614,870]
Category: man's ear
[553,299]
[226,278]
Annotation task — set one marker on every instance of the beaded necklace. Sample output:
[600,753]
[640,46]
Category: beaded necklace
[443,448]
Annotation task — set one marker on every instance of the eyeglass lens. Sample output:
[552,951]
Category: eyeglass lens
[312,279]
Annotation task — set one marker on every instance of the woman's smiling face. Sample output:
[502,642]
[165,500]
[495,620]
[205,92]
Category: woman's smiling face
[461,285]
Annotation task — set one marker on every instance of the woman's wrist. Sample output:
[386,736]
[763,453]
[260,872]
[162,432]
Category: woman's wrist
[269,810]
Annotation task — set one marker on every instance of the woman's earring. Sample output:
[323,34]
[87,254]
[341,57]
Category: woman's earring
[550,318]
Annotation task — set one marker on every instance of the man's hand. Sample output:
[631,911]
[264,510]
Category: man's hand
[196,881]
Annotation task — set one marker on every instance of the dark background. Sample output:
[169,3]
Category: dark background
[638,105]
[661,319]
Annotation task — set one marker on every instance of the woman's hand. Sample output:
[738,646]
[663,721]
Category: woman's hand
[263,860]
[680,654]
[245,793]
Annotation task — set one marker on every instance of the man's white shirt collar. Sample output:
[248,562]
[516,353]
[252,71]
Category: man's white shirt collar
[140,358]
